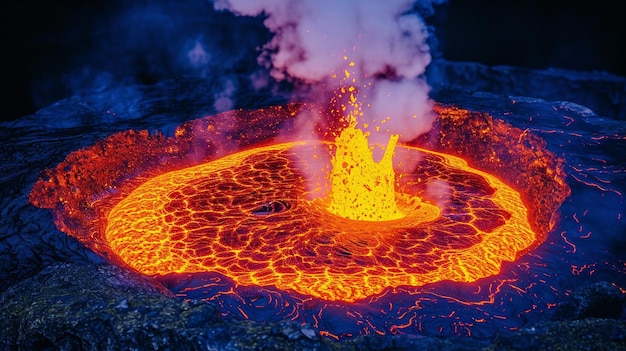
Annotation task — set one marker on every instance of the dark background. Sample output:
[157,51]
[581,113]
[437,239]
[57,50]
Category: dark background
[54,49]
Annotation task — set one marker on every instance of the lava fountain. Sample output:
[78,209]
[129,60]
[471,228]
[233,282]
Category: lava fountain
[227,194]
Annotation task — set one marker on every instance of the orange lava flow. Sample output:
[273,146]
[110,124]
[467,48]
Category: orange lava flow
[216,217]
[227,194]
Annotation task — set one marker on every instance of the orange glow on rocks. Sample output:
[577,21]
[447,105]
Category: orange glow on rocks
[222,196]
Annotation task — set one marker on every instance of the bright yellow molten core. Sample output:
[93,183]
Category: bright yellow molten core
[361,188]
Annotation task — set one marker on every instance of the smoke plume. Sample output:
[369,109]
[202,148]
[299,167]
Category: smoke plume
[380,47]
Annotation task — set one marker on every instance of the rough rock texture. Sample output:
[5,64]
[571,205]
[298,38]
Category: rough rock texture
[105,307]
[585,334]
[82,306]
[72,306]
[602,92]
[585,320]
[599,300]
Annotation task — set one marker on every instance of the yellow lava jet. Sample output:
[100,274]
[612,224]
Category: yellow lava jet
[362,189]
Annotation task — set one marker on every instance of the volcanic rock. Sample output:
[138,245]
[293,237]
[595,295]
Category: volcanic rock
[106,307]
[585,334]
[599,300]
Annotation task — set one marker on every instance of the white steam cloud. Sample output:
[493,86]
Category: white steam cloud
[198,56]
[386,40]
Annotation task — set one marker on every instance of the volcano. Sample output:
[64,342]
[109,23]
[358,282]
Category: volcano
[93,176]
[149,203]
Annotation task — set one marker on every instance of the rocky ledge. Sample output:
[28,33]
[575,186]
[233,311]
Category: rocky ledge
[105,307]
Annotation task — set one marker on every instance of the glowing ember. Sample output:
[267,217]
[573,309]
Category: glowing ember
[247,215]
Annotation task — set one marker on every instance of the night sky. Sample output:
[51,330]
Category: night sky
[51,49]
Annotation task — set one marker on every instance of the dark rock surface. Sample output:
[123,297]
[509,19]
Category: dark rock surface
[602,92]
[105,307]
[89,307]
[599,300]
[585,334]
[586,320]
[46,304]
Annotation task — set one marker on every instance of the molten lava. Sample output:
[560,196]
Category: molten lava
[193,204]
[362,189]
[205,219]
